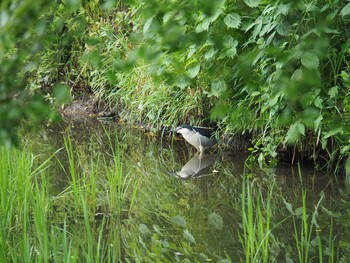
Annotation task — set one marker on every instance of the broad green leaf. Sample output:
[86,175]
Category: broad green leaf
[301,128]
[283,9]
[145,232]
[147,25]
[283,29]
[94,58]
[203,25]
[274,100]
[297,74]
[220,111]
[232,51]
[310,60]
[218,87]
[193,71]
[188,237]
[333,92]
[231,44]
[232,20]
[215,221]
[317,122]
[294,132]
[338,130]
[334,213]
[318,102]
[288,206]
[61,93]
[179,220]
[299,211]
[210,53]
[252,3]
[192,50]
[346,10]
[182,82]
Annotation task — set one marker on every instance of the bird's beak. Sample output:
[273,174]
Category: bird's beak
[174,130]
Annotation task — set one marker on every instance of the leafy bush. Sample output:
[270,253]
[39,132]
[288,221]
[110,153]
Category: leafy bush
[277,70]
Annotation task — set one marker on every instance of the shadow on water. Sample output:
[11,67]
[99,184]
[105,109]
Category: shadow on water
[200,218]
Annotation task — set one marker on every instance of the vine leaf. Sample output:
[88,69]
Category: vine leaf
[346,10]
[294,132]
[193,71]
[252,3]
[218,88]
[188,237]
[232,20]
[310,60]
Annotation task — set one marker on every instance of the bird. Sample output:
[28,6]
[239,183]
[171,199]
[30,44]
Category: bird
[199,137]
[195,167]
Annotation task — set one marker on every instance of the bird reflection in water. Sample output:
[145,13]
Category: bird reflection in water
[195,167]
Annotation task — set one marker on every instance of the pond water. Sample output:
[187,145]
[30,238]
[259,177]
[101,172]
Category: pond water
[181,207]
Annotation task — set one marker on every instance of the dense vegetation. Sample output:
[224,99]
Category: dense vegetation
[276,70]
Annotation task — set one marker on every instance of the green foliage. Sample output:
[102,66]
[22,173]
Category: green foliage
[277,70]
[23,30]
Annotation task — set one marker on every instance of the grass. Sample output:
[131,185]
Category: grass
[256,219]
[259,226]
[113,207]
[74,226]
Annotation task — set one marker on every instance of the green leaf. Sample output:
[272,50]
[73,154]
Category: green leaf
[215,221]
[147,25]
[219,111]
[182,82]
[294,132]
[317,122]
[203,25]
[188,237]
[252,3]
[310,60]
[232,20]
[179,220]
[61,93]
[218,87]
[333,92]
[210,53]
[301,128]
[338,130]
[193,71]
[231,44]
[145,232]
[318,102]
[283,29]
[288,206]
[299,211]
[346,10]
[274,100]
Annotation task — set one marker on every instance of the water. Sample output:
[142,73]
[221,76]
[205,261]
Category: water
[190,207]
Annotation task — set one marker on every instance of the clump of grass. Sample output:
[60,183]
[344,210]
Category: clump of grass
[307,232]
[256,219]
[82,223]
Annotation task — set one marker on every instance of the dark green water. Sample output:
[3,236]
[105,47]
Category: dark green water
[190,208]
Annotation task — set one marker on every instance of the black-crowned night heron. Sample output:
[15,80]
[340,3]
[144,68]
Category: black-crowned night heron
[199,137]
[196,166]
